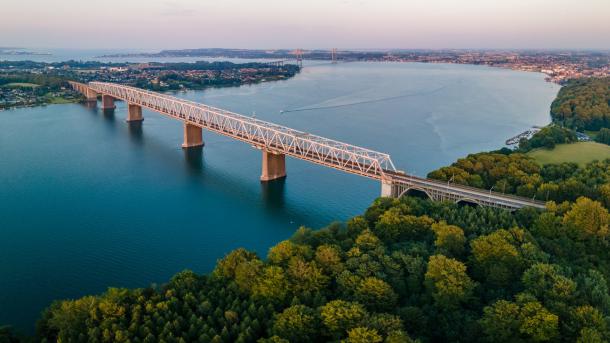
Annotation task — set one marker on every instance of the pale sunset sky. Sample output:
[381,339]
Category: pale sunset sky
[162,24]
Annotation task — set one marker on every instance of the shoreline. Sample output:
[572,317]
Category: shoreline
[169,91]
[227,249]
[79,98]
[275,79]
[550,64]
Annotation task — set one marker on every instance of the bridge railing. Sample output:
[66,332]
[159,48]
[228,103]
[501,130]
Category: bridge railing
[262,134]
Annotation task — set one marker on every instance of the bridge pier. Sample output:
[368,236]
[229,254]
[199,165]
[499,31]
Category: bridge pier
[387,189]
[107,102]
[90,94]
[274,166]
[277,141]
[192,136]
[134,113]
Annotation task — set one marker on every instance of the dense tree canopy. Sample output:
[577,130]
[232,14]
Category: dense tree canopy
[8,336]
[548,137]
[408,269]
[603,136]
[516,173]
[583,104]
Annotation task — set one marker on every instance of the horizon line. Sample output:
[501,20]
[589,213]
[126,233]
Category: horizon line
[605,49]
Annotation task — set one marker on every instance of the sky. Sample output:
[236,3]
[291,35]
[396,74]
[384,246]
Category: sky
[269,24]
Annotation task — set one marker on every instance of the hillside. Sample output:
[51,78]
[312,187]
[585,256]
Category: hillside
[583,104]
[406,269]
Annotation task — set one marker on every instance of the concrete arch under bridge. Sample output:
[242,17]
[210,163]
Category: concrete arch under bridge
[422,192]
[468,201]
[276,142]
[415,191]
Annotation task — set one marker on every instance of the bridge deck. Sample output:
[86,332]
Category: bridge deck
[284,140]
[261,134]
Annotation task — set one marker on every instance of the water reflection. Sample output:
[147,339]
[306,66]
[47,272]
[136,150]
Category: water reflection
[194,159]
[135,131]
[108,114]
[273,194]
[91,106]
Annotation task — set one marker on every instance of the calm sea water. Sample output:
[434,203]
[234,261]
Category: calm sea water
[89,202]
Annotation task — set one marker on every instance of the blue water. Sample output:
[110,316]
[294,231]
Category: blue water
[88,201]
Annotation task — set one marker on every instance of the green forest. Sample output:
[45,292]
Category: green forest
[583,104]
[406,270]
[548,137]
[49,82]
[510,172]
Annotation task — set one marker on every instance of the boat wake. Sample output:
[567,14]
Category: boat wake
[362,102]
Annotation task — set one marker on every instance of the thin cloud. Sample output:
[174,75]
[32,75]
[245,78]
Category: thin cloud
[177,9]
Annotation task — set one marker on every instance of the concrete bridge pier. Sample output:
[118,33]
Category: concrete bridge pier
[192,136]
[91,95]
[107,102]
[387,189]
[134,113]
[274,166]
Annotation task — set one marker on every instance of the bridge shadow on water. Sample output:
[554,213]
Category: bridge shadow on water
[91,106]
[273,194]
[194,159]
[135,132]
[109,119]
[109,114]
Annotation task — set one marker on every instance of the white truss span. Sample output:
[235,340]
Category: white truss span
[261,134]
[281,140]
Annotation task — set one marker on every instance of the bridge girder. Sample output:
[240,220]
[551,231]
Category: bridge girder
[277,140]
[261,134]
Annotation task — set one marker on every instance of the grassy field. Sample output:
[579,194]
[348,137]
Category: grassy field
[59,100]
[580,153]
[21,85]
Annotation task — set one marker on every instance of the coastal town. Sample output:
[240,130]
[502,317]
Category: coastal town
[27,83]
[558,65]
[29,95]
[24,84]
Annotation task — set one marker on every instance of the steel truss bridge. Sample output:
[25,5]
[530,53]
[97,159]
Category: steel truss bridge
[276,142]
